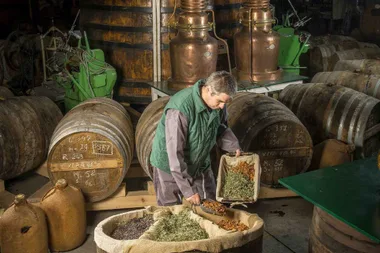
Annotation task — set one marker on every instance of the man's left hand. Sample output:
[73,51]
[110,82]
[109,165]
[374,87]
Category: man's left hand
[238,152]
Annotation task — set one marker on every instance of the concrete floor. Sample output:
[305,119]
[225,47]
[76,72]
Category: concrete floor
[286,220]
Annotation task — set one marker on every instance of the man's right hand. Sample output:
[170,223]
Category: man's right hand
[195,199]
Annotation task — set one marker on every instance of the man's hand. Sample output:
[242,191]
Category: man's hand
[195,199]
[238,152]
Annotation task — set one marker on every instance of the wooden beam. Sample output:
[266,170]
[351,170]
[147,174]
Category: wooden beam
[133,199]
[151,188]
[270,193]
[6,199]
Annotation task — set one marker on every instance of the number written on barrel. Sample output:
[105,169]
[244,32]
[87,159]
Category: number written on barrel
[102,148]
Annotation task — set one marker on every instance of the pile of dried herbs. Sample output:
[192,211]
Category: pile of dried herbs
[132,229]
[178,228]
[239,182]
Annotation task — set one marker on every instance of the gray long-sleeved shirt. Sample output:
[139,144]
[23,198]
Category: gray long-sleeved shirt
[176,125]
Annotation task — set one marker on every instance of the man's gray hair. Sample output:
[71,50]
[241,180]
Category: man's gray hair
[222,82]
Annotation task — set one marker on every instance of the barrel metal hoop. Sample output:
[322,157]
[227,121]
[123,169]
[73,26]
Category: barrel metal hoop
[362,121]
[358,109]
[124,8]
[377,87]
[343,117]
[335,101]
[112,44]
[126,28]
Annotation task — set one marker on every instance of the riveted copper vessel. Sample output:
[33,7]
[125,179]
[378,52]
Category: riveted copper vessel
[256,45]
[65,210]
[23,228]
[193,52]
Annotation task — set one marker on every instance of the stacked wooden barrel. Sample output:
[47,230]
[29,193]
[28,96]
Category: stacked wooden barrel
[262,125]
[332,111]
[26,126]
[367,84]
[92,148]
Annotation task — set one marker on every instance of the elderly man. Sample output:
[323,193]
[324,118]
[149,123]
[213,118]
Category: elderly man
[194,120]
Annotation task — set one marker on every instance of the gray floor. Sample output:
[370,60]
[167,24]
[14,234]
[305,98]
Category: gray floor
[286,220]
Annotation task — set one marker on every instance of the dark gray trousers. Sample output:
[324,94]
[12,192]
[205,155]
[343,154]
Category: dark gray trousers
[168,192]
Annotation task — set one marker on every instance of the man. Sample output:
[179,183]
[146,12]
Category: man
[193,121]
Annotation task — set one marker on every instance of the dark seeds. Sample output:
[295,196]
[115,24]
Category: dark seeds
[132,229]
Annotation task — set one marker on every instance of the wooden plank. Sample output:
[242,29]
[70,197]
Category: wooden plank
[42,170]
[85,164]
[151,188]
[2,187]
[121,191]
[270,193]
[133,199]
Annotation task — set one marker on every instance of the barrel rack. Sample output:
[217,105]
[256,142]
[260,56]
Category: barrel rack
[123,198]
[6,198]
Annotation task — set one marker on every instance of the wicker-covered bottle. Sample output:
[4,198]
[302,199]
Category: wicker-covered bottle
[23,228]
[64,206]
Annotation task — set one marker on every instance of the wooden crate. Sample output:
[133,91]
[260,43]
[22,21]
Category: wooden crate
[6,198]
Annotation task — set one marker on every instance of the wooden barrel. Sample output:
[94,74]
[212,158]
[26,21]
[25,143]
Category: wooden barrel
[319,58]
[332,111]
[92,148]
[330,235]
[341,42]
[124,30]
[5,93]
[146,130]
[354,54]
[367,84]
[227,24]
[265,126]
[365,66]
[26,125]
[367,45]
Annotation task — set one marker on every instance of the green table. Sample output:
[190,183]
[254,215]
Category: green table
[161,89]
[349,192]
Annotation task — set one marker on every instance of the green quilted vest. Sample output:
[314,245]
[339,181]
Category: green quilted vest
[201,133]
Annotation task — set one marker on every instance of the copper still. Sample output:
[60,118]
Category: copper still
[65,209]
[23,228]
[256,45]
[193,52]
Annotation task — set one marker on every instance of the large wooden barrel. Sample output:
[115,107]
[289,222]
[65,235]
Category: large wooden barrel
[319,58]
[365,66]
[367,45]
[92,148]
[265,126]
[146,130]
[227,24]
[330,235]
[332,111]
[339,41]
[26,125]
[124,30]
[353,54]
[367,84]
[5,93]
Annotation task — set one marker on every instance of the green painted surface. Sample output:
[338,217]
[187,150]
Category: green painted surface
[349,192]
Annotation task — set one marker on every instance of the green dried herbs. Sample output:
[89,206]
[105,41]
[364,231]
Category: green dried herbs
[238,184]
[178,228]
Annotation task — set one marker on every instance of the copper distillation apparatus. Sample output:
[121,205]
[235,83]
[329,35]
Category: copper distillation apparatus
[193,52]
[256,44]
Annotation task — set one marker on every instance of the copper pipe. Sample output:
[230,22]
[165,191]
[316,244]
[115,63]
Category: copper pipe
[193,5]
[222,40]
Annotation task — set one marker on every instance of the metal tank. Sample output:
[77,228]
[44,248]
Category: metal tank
[256,45]
[193,52]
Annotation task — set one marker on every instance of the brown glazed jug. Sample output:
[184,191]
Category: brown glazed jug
[23,228]
[65,209]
